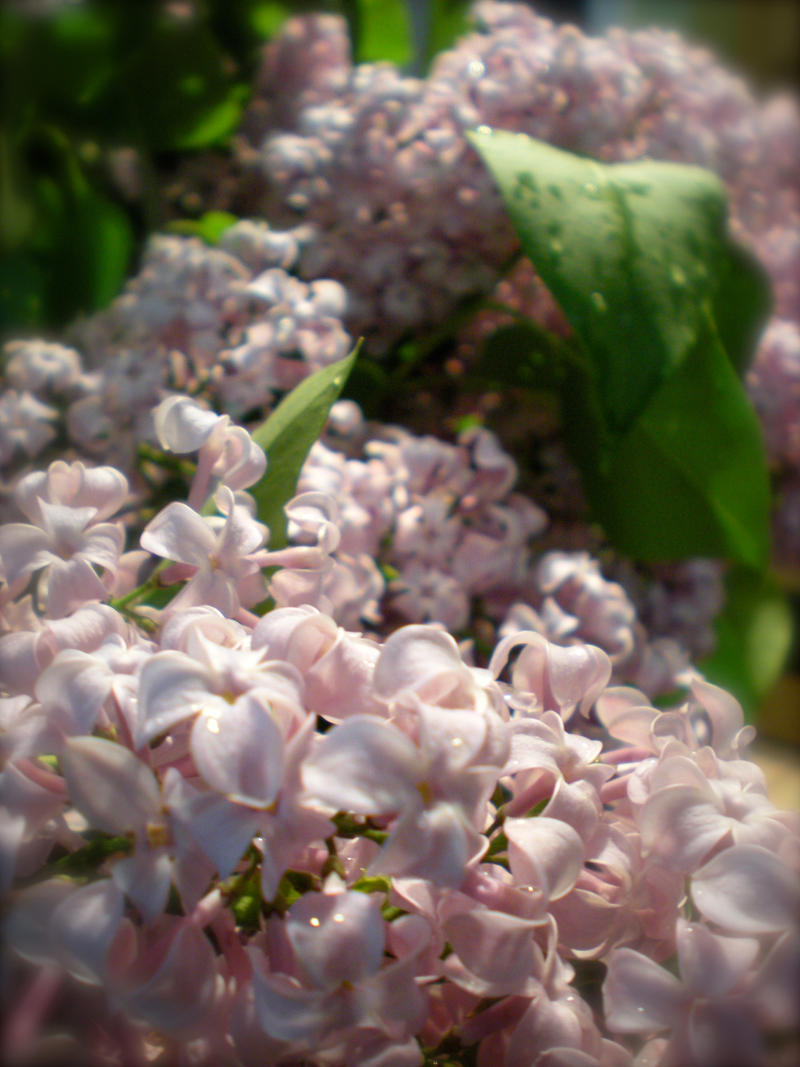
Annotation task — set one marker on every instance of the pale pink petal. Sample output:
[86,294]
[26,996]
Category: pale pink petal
[145,879]
[585,920]
[299,634]
[242,462]
[83,928]
[711,965]
[78,682]
[365,766]
[495,947]
[208,587]
[680,826]
[546,1024]
[437,843]
[776,988]
[172,687]
[544,853]
[71,584]
[241,535]
[222,830]
[182,426]
[23,549]
[109,785]
[724,711]
[336,937]
[562,678]
[339,684]
[238,750]
[180,534]
[26,927]
[313,520]
[102,544]
[748,890]
[577,804]
[424,660]
[287,1012]
[104,489]
[180,990]
[638,995]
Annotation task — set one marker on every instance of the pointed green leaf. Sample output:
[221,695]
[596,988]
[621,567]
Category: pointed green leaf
[754,637]
[630,251]
[742,304]
[287,436]
[690,477]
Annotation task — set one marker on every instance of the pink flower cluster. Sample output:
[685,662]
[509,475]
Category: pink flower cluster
[454,543]
[230,323]
[400,213]
[239,839]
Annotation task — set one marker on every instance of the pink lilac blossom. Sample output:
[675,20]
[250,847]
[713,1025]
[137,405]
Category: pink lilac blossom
[377,162]
[457,543]
[377,165]
[315,845]
[232,839]
[228,324]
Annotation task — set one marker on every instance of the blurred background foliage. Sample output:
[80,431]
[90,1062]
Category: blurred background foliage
[103,101]
[102,98]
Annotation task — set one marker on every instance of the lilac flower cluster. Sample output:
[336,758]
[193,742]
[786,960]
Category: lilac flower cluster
[434,532]
[378,164]
[229,323]
[239,839]
[396,790]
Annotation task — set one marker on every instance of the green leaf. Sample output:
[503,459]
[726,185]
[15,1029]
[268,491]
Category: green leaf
[85,861]
[178,93]
[522,354]
[690,477]
[630,251]
[742,304]
[373,884]
[381,31]
[209,227]
[287,436]
[267,17]
[449,20]
[100,246]
[754,636]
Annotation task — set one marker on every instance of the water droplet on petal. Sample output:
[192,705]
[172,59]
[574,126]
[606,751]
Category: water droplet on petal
[475,69]
[456,742]
[338,917]
[639,1008]
[313,921]
[212,725]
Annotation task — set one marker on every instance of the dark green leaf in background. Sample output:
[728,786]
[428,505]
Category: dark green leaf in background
[669,447]
[742,304]
[382,31]
[287,436]
[689,478]
[630,252]
[754,636]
